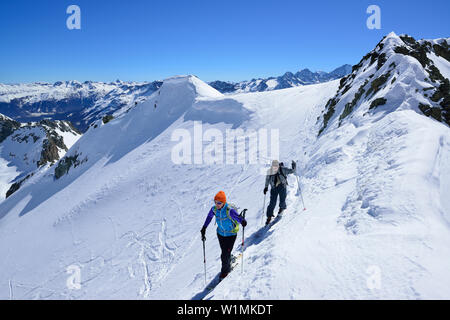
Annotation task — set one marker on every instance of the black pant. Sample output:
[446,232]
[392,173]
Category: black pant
[226,244]
[274,192]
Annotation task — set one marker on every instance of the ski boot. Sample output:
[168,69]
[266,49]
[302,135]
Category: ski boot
[223,275]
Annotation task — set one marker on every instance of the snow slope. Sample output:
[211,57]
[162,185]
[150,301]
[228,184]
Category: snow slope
[375,210]
[376,224]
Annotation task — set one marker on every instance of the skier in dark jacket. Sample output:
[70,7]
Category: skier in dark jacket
[227,228]
[277,178]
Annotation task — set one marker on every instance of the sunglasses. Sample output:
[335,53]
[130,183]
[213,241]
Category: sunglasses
[218,202]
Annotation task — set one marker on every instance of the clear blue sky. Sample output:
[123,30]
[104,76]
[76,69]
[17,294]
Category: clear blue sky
[213,39]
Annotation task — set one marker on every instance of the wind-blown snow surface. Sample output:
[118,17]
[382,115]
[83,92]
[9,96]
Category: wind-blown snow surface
[130,218]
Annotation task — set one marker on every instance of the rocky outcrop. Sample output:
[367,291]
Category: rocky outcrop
[400,68]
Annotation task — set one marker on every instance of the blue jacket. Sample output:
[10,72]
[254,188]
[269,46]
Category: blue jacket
[226,227]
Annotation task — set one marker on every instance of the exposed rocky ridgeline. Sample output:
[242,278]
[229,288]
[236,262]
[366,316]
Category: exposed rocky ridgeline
[7,126]
[288,80]
[400,73]
[31,146]
[80,103]
[54,141]
[68,162]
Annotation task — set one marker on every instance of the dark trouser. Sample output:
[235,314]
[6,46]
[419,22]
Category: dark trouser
[274,192]
[226,244]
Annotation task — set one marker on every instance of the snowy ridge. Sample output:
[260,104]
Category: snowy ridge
[141,123]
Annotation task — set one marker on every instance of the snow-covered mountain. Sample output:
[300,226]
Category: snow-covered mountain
[123,214]
[288,80]
[80,103]
[399,74]
[29,147]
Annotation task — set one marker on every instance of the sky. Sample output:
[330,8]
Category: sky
[146,40]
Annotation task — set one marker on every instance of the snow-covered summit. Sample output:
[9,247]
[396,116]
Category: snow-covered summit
[399,74]
[200,88]
[177,96]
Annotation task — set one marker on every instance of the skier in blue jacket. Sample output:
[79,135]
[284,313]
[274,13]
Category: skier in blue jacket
[227,228]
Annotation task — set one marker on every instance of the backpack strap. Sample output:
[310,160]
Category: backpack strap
[228,213]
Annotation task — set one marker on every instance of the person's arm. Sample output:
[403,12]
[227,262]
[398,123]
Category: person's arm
[236,216]
[208,218]
[288,170]
[267,181]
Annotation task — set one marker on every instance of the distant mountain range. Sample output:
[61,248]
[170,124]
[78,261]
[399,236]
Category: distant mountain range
[82,103]
[288,80]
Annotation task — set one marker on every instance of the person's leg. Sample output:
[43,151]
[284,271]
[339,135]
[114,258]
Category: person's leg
[283,194]
[222,242]
[226,245]
[273,202]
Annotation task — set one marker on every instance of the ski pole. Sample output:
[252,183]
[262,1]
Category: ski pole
[264,210]
[204,258]
[242,249]
[300,191]
[242,246]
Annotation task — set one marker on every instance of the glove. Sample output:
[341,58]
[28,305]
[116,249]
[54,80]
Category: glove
[265,190]
[203,231]
[244,223]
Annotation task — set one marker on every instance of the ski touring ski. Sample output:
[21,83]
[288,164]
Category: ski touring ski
[234,262]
